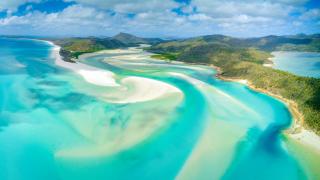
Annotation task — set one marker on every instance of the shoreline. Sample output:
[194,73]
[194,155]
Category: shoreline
[144,87]
[292,106]
[296,130]
[270,62]
[90,74]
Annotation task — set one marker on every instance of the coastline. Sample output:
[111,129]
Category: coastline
[296,131]
[145,89]
[90,74]
[269,63]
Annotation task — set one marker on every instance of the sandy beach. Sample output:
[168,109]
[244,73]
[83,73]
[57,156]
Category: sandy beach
[267,65]
[297,131]
[90,74]
[307,137]
[270,62]
[131,89]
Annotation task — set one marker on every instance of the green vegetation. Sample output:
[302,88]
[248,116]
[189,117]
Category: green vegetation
[244,61]
[307,48]
[165,56]
[72,48]
[304,91]
[132,40]
[269,43]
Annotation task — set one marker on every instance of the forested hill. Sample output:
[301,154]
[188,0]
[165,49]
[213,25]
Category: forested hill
[299,42]
[243,59]
[133,40]
[73,47]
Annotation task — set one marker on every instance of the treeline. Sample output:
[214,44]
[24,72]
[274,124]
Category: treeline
[298,42]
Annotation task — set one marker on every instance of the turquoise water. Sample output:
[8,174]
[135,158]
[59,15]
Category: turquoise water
[299,63]
[55,125]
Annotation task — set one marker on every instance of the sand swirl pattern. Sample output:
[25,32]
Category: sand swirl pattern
[119,114]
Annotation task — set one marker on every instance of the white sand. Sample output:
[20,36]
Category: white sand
[270,64]
[212,151]
[141,89]
[243,81]
[129,57]
[138,60]
[116,51]
[307,137]
[112,139]
[132,89]
[192,80]
[90,74]
[267,65]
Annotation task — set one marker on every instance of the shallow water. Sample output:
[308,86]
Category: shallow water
[55,125]
[299,63]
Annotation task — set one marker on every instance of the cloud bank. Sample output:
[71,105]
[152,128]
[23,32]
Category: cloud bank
[161,18]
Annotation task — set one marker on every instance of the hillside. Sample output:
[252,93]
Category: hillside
[130,39]
[73,47]
[243,59]
[268,43]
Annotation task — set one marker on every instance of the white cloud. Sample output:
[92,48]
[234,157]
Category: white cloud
[187,9]
[297,23]
[290,2]
[130,6]
[12,5]
[74,19]
[79,20]
[221,8]
[156,18]
[312,14]
[199,17]
[274,16]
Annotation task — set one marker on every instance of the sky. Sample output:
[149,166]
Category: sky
[159,18]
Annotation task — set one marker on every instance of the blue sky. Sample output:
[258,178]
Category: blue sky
[159,18]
